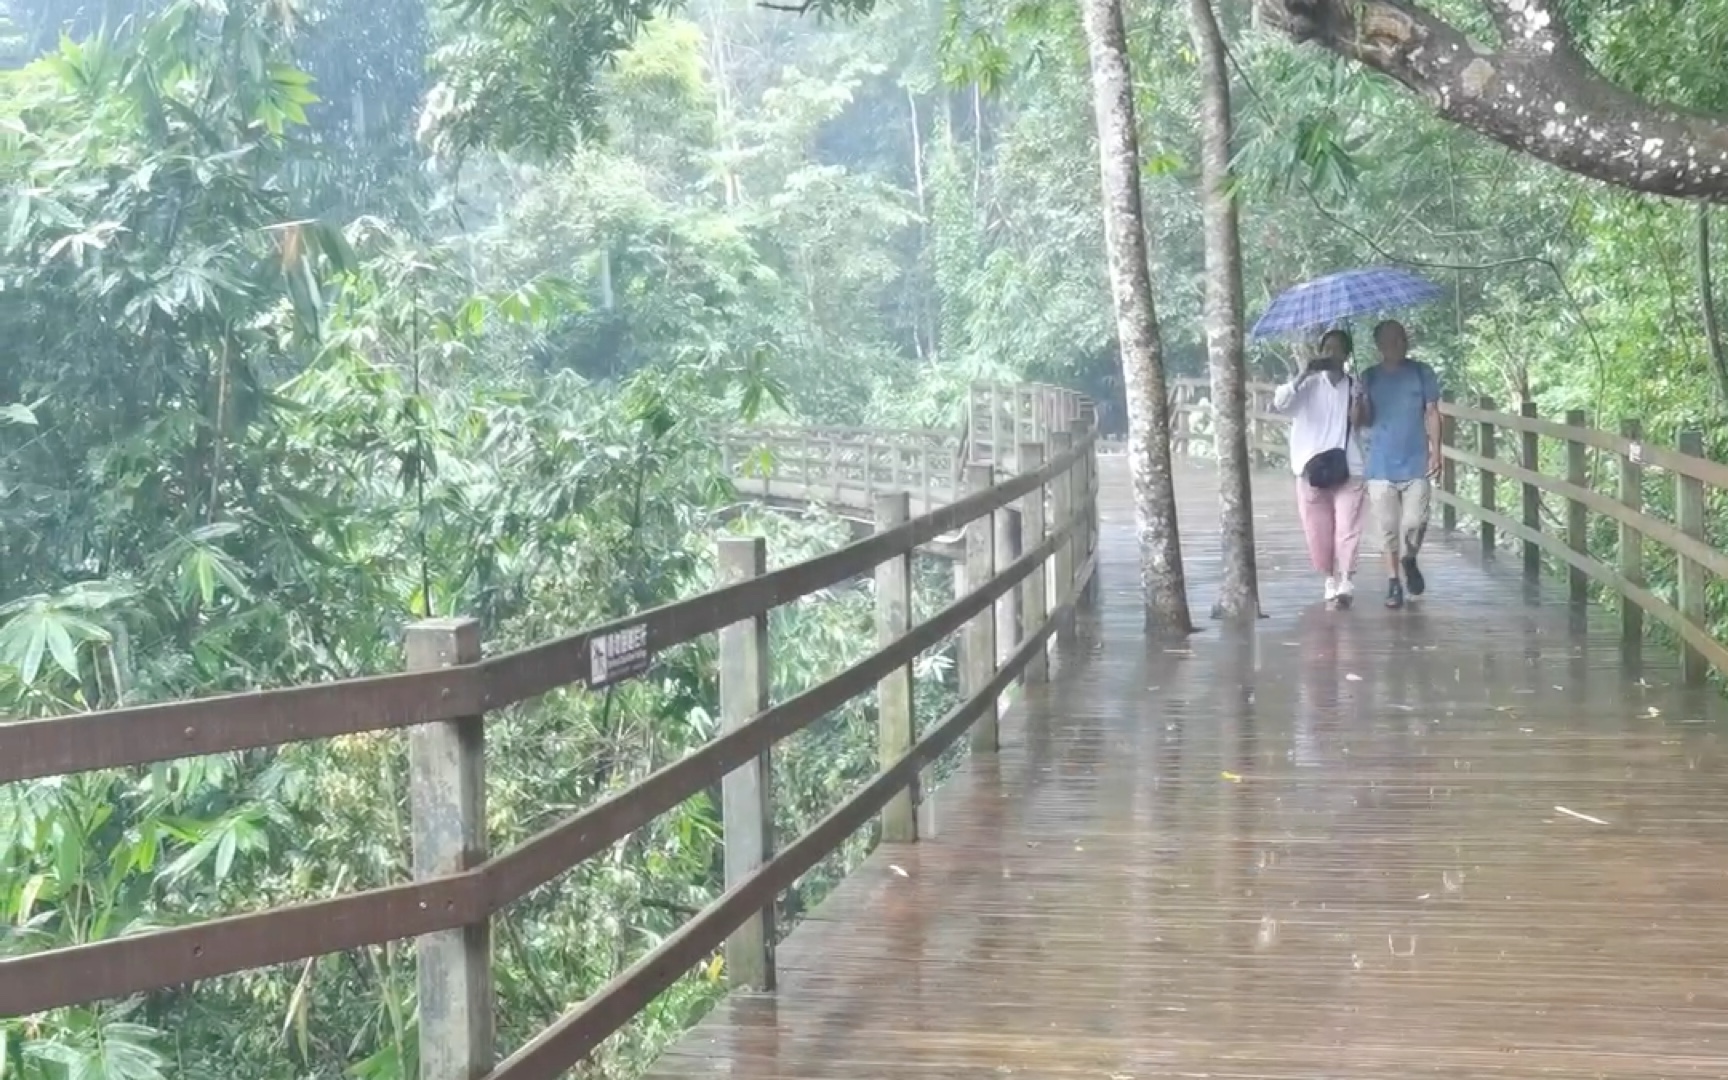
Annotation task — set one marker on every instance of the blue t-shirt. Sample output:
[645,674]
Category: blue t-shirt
[1398,439]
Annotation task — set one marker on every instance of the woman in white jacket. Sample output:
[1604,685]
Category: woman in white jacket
[1324,407]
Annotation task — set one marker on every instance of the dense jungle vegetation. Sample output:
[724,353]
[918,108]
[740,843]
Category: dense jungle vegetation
[320,316]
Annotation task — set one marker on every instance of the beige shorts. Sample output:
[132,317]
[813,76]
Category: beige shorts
[1400,514]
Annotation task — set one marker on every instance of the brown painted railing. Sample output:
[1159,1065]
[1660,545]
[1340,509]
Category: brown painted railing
[1025,591]
[1507,451]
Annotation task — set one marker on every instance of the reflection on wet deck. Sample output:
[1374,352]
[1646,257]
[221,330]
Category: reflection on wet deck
[1456,841]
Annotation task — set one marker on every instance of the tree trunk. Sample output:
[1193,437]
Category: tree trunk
[1239,589]
[1707,306]
[924,322]
[1161,578]
[1536,93]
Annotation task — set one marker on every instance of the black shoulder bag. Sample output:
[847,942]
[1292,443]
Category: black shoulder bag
[1331,468]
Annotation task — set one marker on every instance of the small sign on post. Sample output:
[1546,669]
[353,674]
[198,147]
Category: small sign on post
[620,655]
[1635,453]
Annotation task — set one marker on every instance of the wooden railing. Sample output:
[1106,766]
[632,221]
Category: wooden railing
[845,467]
[1608,513]
[848,466]
[1191,421]
[450,689]
[1003,416]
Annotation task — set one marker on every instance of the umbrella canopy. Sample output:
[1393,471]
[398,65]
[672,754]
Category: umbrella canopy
[1344,295]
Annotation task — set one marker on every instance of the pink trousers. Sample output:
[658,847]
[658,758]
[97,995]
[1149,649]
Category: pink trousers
[1332,523]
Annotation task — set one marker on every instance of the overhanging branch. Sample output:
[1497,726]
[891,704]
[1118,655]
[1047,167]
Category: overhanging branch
[1532,26]
[1535,94]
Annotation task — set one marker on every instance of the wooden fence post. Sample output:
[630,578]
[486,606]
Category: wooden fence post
[1448,467]
[1689,515]
[1485,445]
[746,793]
[1061,514]
[1034,594]
[1007,526]
[447,806]
[1179,419]
[1084,506]
[1577,514]
[979,652]
[1256,430]
[1631,541]
[834,469]
[895,725]
[995,424]
[1094,526]
[1531,459]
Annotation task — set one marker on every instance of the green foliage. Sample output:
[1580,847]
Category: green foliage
[318,318]
[242,445]
[523,76]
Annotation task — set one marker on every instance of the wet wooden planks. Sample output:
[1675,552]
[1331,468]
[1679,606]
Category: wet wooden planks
[1336,846]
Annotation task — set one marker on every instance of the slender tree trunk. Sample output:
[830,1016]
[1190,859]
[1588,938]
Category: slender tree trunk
[719,57]
[1161,576]
[924,328]
[1239,589]
[1707,304]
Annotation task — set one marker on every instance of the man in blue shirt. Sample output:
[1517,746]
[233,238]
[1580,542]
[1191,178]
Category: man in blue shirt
[1400,411]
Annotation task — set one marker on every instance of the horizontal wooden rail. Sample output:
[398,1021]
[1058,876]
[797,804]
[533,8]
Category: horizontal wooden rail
[577,1034]
[462,887]
[1478,437]
[144,734]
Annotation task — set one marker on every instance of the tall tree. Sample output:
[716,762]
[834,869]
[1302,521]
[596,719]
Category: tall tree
[1239,589]
[1537,92]
[1161,576]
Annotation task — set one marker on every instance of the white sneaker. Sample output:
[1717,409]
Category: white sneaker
[1331,588]
[1346,587]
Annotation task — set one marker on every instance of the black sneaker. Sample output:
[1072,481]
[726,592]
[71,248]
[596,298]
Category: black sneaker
[1413,577]
[1395,594]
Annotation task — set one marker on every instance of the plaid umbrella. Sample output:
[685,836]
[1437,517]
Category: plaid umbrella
[1344,295]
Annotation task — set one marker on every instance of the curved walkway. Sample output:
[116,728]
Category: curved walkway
[1455,841]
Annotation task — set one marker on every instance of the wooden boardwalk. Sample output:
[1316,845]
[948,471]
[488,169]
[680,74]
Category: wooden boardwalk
[1460,840]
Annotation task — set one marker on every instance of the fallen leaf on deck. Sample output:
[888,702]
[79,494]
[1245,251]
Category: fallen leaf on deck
[897,870]
[1352,678]
[1580,817]
[1232,777]
[1652,712]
